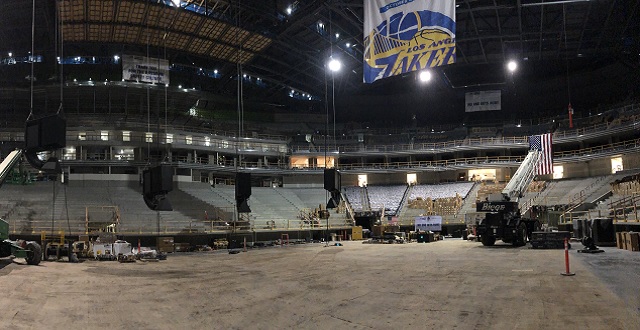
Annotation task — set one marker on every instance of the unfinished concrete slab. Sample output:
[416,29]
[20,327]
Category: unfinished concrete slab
[451,284]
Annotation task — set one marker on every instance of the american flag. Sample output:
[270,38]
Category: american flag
[543,143]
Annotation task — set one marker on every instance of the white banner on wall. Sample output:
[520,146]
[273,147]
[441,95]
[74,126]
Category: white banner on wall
[429,223]
[145,69]
[483,101]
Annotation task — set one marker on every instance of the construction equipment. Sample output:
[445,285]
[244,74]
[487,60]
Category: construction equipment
[54,246]
[29,250]
[81,247]
[502,219]
[43,134]
[123,251]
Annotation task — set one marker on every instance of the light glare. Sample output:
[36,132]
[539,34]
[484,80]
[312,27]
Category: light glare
[425,76]
[335,65]
[512,66]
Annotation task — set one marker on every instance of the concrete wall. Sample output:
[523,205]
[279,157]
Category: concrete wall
[306,180]
[631,161]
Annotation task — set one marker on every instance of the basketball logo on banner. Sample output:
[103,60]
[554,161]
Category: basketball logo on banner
[407,35]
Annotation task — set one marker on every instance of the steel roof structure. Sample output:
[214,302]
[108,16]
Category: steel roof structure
[289,51]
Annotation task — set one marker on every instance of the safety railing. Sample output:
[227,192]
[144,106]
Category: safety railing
[620,214]
[172,227]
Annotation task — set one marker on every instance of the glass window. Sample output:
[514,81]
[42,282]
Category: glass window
[126,136]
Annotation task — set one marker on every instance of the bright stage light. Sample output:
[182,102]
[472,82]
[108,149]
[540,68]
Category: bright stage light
[335,65]
[425,76]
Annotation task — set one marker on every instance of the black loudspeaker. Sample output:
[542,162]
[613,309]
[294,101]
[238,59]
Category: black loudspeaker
[603,232]
[243,185]
[334,201]
[157,180]
[157,202]
[331,179]
[242,206]
[46,133]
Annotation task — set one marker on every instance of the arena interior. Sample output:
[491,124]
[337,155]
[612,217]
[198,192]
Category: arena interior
[270,153]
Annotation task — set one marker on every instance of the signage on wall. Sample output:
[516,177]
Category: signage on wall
[145,69]
[428,223]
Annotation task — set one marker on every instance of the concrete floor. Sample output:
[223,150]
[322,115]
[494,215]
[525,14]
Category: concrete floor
[451,284]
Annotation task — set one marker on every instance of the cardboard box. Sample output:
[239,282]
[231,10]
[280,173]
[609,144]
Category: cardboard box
[182,247]
[634,239]
[620,240]
[165,244]
[356,233]
[627,240]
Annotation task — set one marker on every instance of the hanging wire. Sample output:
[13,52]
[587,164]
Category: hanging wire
[61,55]
[238,86]
[566,49]
[239,108]
[31,57]
[333,85]
[148,106]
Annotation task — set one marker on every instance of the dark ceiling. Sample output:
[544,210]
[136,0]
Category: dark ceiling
[289,51]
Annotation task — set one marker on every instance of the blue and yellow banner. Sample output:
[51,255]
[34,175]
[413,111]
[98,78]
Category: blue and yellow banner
[407,35]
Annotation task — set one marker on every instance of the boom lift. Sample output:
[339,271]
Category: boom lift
[502,219]
[29,250]
[47,133]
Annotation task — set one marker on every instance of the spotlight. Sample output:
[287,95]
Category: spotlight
[512,66]
[335,65]
[289,10]
[425,76]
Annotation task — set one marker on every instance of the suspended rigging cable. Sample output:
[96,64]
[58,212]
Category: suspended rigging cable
[566,50]
[31,56]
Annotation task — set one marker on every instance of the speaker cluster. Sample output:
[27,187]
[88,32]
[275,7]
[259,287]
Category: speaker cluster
[156,183]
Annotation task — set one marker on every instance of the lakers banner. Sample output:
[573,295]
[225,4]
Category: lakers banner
[407,35]
[145,69]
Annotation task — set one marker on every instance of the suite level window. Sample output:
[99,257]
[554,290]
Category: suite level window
[616,165]
[362,180]
[126,136]
[558,172]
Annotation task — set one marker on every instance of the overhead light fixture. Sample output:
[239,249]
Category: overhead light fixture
[512,66]
[215,71]
[348,45]
[335,65]
[337,35]
[289,10]
[425,76]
